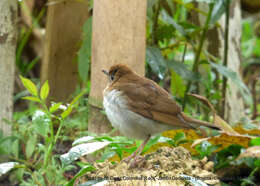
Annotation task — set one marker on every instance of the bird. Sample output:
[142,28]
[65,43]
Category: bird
[139,108]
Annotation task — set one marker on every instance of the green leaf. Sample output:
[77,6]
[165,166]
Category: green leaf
[225,156]
[156,61]
[83,171]
[182,70]
[229,74]
[45,90]
[54,107]
[41,122]
[179,138]
[66,112]
[255,142]
[29,85]
[205,148]
[85,51]
[150,4]
[218,10]
[151,142]
[31,98]
[177,85]
[30,146]
[170,21]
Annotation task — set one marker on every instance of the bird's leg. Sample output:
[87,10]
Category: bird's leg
[138,150]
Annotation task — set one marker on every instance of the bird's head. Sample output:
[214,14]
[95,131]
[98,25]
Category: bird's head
[117,71]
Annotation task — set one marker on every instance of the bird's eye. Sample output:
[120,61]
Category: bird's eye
[112,75]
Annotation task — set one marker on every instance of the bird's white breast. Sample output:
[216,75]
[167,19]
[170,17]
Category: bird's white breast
[129,123]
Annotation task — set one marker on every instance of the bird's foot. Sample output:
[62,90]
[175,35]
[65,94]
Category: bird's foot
[137,162]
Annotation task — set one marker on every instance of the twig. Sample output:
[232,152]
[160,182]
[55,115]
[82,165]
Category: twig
[197,57]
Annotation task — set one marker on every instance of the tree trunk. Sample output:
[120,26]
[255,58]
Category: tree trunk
[63,35]
[118,37]
[8,20]
[234,107]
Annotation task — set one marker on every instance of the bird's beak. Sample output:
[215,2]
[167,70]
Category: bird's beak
[105,72]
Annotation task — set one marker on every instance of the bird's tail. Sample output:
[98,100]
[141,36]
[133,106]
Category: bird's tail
[195,123]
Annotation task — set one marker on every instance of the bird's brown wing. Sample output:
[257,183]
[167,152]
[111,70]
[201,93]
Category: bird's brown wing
[148,99]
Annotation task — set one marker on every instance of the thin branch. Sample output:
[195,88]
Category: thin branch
[197,57]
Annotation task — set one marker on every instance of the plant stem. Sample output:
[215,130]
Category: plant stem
[184,53]
[225,62]
[197,57]
[155,25]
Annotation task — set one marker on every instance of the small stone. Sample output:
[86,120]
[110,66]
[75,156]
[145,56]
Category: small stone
[209,166]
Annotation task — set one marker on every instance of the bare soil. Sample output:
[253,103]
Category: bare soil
[163,167]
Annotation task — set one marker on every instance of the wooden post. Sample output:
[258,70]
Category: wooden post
[119,28]
[8,20]
[63,35]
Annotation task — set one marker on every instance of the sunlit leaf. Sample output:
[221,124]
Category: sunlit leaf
[29,85]
[177,85]
[255,142]
[54,107]
[45,90]
[31,98]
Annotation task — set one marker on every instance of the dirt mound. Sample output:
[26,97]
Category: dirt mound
[166,166]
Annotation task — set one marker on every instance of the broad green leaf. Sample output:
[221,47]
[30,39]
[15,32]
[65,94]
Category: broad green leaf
[29,85]
[229,74]
[45,90]
[54,107]
[156,61]
[30,146]
[218,10]
[85,51]
[177,85]
[31,98]
[82,172]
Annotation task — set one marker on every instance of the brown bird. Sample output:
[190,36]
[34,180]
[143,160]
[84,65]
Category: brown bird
[140,108]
